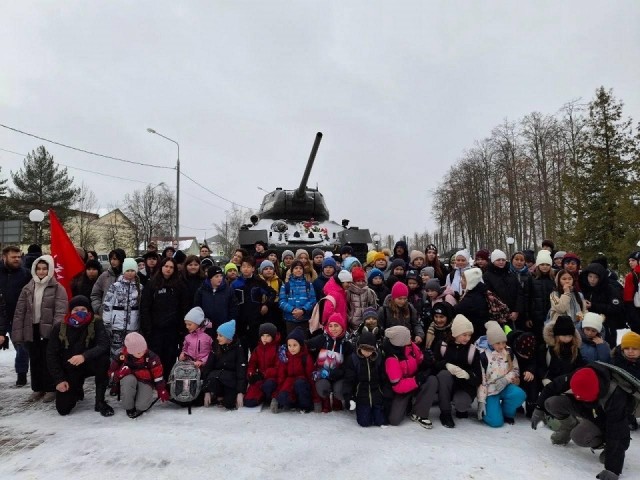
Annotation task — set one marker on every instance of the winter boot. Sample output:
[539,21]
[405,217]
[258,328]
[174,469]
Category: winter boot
[633,422]
[529,409]
[447,420]
[424,422]
[336,405]
[326,405]
[104,408]
[509,420]
[462,414]
[35,396]
[563,435]
[132,413]
[49,397]
[274,406]
[22,380]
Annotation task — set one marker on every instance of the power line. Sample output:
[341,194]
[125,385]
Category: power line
[204,201]
[85,151]
[212,192]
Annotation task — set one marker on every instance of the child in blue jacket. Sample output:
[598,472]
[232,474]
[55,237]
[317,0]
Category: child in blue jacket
[593,346]
[297,298]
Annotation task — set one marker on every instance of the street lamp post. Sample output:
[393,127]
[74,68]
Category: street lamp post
[151,130]
[36,216]
[376,241]
[510,242]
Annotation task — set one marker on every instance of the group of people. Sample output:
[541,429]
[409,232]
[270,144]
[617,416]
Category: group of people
[388,336]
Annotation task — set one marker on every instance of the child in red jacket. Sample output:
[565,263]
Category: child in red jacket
[138,371]
[295,385]
[262,372]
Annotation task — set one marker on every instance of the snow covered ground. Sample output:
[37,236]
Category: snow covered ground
[37,443]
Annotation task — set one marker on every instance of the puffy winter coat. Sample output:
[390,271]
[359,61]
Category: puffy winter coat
[147,369]
[551,365]
[605,299]
[590,351]
[466,357]
[331,354]
[619,360]
[297,293]
[386,319]
[219,306]
[253,294]
[401,365]
[333,289]
[51,309]
[58,352]
[357,300]
[541,289]
[364,378]
[228,364]
[292,368]
[198,344]
[101,287]
[474,306]
[505,285]
[496,366]
[121,307]
[264,360]
[11,283]
[163,308]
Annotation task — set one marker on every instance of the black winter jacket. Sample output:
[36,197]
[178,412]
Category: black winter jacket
[541,302]
[227,363]
[459,355]
[11,283]
[605,299]
[505,285]
[473,305]
[610,412]
[163,308]
[364,378]
[219,307]
[619,360]
[58,353]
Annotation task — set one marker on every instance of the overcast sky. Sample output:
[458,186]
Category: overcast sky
[399,90]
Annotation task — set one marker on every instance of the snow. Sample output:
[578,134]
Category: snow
[37,443]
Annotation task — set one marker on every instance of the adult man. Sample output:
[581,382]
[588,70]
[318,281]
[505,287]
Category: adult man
[13,276]
[106,279]
[205,252]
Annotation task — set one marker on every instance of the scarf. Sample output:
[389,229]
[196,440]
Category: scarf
[77,320]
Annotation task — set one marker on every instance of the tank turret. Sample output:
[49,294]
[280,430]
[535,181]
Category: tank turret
[293,219]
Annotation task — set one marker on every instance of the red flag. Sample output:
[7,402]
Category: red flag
[68,262]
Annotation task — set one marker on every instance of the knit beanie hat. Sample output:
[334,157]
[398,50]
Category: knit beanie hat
[585,385]
[634,255]
[428,271]
[398,262]
[93,264]
[195,315]
[315,252]
[80,301]
[367,341]
[433,284]
[570,256]
[369,312]
[559,254]
[460,325]
[498,255]
[412,274]
[214,270]
[129,264]
[230,266]
[544,258]
[370,255]
[473,276]
[630,340]
[301,251]
[564,326]
[228,329]
[529,256]
[379,256]
[179,257]
[399,335]
[525,344]
[593,320]
[462,253]
[297,334]
[358,274]
[350,263]
[495,333]
[345,276]
[348,249]
[135,343]
[329,262]
[398,290]
[118,253]
[416,254]
[443,308]
[264,264]
[431,246]
[287,253]
[483,254]
[338,318]
[267,329]
[375,272]
[205,263]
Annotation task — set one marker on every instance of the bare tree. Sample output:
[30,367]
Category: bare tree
[82,223]
[227,232]
[152,211]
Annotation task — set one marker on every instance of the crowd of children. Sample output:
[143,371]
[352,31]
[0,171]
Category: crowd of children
[388,337]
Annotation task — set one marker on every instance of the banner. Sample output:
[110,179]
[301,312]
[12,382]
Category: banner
[67,261]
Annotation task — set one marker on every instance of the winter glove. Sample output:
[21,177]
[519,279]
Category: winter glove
[352,405]
[163,395]
[501,383]
[318,374]
[537,418]
[463,374]
[207,399]
[482,410]
[239,400]
[123,372]
[317,407]
[255,377]
[607,475]
[453,369]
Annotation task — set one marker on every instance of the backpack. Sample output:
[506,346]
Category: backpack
[316,313]
[185,382]
[625,381]
[498,310]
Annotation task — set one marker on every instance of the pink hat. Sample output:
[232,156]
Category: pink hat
[135,343]
[399,289]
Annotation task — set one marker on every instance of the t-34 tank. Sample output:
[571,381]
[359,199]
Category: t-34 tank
[293,219]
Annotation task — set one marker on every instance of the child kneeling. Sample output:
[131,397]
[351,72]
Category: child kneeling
[262,372]
[138,371]
[498,395]
[197,343]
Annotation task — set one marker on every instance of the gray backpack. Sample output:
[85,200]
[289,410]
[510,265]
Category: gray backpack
[185,383]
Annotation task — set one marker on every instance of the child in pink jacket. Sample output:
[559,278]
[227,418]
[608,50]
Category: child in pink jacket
[197,344]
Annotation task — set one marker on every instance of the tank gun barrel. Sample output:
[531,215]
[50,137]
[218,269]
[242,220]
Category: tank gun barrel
[300,192]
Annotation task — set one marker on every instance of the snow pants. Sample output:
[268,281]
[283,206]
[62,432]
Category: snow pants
[304,400]
[503,404]
[368,415]
[260,392]
[164,343]
[324,387]
[461,399]
[135,394]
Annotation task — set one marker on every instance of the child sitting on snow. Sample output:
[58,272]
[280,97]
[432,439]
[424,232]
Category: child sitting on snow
[262,372]
[138,371]
[498,395]
[197,343]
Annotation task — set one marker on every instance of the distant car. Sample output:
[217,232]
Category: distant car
[103,258]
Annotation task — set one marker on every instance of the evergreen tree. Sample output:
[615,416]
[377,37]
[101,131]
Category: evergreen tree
[605,183]
[41,184]
[5,211]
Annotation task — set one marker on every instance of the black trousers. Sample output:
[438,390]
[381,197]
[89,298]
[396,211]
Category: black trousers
[164,343]
[41,380]
[75,376]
